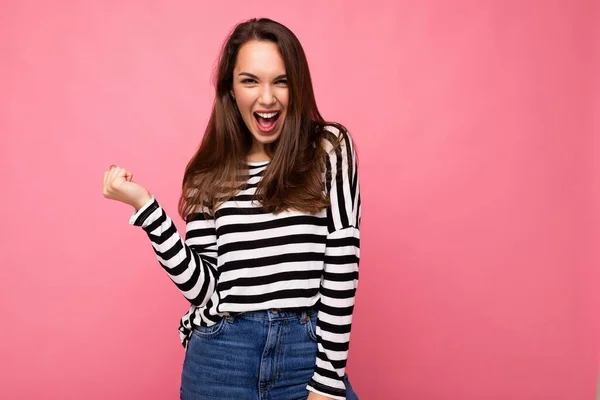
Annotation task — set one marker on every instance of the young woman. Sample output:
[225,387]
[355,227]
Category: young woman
[272,207]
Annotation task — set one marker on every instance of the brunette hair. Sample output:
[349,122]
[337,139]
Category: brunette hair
[294,177]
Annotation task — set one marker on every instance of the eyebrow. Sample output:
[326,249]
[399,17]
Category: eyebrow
[248,74]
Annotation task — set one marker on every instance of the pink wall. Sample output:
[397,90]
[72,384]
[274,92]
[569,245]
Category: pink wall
[593,284]
[474,129]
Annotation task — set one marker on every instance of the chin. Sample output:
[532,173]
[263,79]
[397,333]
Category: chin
[260,138]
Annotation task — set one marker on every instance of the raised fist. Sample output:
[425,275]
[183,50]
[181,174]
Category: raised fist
[119,186]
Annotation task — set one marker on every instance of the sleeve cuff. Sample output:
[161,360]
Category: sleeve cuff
[319,388]
[139,216]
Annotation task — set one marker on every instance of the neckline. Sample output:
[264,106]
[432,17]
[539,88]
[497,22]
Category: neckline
[257,163]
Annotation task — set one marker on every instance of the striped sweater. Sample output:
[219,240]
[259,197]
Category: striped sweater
[244,259]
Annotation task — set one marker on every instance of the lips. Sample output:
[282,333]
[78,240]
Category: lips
[266,121]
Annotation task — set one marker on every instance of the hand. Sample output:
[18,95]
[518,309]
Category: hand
[119,186]
[316,396]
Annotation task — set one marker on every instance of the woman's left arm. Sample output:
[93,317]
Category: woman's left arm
[340,276]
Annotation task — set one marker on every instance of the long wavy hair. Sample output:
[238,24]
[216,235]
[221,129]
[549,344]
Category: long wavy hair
[294,177]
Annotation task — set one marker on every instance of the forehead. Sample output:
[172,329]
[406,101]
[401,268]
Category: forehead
[260,58]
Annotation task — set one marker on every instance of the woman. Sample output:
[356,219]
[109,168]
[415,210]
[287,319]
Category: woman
[272,209]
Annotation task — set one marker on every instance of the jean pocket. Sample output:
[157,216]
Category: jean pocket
[209,331]
[311,326]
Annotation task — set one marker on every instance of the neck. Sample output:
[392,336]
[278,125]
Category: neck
[258,153]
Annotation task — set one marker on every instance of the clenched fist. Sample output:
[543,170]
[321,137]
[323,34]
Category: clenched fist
[119,186]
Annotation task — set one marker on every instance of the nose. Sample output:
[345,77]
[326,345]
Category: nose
[267,97]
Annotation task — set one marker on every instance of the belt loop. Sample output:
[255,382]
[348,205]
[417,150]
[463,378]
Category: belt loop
[228,317]
[304,317]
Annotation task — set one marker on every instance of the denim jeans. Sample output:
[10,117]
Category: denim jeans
[262,355]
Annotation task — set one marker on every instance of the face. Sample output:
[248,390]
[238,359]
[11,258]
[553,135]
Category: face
[261,91]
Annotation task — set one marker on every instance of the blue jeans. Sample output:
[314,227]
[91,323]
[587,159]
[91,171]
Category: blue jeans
[262,355]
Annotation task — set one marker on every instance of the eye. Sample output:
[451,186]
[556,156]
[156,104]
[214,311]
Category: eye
[248,80]
[281,82]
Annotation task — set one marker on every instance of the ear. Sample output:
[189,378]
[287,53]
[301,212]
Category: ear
[231,93]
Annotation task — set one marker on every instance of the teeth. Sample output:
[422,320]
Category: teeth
[266,115]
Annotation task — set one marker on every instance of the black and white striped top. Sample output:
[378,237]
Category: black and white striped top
[247,260]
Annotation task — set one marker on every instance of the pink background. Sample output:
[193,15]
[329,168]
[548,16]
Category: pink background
[479,151]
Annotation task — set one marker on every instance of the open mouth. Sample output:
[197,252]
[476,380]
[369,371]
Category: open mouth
[266,122]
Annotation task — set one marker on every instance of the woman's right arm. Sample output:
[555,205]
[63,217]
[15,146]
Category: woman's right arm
[191,263]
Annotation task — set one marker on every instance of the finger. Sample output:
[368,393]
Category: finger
[122,174]
[107,173]
[126,174]
[110,172]
[114,173]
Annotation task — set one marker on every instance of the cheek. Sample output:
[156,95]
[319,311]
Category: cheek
[241,98]
[244,104]
[283,98]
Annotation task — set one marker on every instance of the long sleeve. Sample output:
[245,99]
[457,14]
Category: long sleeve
[340,276]
[189,263]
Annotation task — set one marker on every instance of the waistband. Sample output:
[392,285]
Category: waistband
[273,313]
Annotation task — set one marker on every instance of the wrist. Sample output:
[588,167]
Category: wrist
[141,202]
